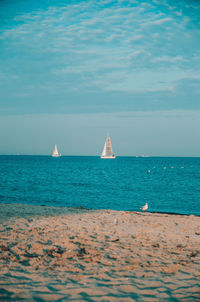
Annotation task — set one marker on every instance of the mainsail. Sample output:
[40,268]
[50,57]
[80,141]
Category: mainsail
[55,152]
[107,150]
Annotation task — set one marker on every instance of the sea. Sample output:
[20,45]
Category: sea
[167,184]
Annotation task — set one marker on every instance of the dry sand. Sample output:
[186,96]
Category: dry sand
[60,254]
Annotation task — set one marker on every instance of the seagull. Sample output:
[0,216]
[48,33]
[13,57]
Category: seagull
[145,207]
[115,221]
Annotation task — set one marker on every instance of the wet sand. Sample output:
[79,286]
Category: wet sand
[62,254]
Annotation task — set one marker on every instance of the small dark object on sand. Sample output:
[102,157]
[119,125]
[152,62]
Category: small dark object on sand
[82,252]
[194,254]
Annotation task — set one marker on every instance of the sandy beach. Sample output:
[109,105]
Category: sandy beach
[65,254]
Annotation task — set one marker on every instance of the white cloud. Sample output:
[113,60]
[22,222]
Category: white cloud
[113,48]
[169,59]
[135,38]
[156,21]
[146,81]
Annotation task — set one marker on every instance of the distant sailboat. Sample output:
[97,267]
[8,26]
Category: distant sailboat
[107,150]
[55,152]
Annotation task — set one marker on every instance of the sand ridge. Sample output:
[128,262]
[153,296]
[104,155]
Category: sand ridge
[101,255]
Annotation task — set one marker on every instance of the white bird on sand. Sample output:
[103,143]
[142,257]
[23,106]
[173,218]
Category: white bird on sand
[115,221]
[145,207]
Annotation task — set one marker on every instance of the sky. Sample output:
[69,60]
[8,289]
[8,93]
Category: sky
[73,71]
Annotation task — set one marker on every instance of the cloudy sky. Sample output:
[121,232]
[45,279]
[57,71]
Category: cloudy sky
[72,71]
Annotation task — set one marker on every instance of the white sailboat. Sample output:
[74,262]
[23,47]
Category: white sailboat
[107,150]
[55,152]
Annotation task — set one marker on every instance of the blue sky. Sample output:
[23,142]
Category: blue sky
[69,68]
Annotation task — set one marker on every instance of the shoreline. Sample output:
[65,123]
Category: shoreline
[49,253]
[21,209]
[13,210]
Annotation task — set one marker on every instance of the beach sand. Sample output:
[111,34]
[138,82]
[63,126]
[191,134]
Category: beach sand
[63,254]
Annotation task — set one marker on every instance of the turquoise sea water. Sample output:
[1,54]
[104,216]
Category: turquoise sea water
[126,183]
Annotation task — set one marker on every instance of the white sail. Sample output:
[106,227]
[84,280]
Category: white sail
[55,152]
[107,149]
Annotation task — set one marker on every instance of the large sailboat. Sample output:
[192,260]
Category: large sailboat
[55,152]
[107,150]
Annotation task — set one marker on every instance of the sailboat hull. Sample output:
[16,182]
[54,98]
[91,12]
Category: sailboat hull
[108,157]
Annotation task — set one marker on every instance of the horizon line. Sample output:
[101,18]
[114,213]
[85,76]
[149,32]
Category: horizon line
[136,156]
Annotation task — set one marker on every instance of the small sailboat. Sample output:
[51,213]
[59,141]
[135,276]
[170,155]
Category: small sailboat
[55,152]
[107,150]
